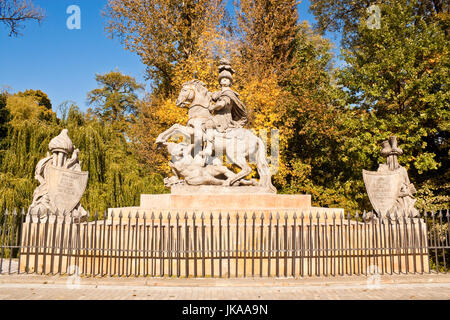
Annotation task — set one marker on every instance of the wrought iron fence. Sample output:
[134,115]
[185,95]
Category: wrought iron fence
[217,244]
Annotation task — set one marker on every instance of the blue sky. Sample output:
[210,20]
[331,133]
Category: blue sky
[63,62]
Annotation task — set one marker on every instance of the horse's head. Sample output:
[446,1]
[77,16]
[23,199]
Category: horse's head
[193,93]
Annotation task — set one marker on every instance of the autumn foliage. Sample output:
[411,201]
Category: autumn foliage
[332,113]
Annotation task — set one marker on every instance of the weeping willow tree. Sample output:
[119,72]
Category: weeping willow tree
[116,178]
[26,144]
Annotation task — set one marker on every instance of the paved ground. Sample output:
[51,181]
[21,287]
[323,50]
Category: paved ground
[28,287]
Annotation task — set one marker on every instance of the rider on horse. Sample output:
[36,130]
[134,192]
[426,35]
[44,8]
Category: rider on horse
[228,111]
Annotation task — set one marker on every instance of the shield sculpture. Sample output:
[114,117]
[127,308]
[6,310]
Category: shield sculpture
[383,189]
[65,187]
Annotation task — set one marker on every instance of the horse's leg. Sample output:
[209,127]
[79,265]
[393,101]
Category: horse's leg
[198,139]
[185,131]
[241,162]
[176,128]
[164,136]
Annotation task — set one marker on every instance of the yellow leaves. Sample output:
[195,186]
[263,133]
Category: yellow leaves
[26,109]
[166,33]
[262,96]
[266,103]
[168,113]
[202,64]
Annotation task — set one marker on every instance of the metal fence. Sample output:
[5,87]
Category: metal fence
[196,244]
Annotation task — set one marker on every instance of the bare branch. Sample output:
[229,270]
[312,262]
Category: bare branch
[14,13]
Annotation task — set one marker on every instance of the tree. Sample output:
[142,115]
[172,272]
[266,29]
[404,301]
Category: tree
[41,97]
[116,99]
[285,74]
[345,15]
[13,13]
[4,121]
[396,81]
[28,107]
[163,33]
[267,30]
[103,153]
[177,41]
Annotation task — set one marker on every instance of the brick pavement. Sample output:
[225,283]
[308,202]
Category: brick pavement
[29,287]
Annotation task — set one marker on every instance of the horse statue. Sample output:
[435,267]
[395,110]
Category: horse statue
[236,143]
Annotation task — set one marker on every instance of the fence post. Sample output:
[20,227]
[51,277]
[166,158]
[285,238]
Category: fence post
[269,245]
[195,243]
[220,244]
[294,242]
[261,248]
[3,239]
[253,244]
[145,244]
[318,244]
[186,229]
[325,240]
[212,254]
[203,244]
[161,246]
[237,244]
[20,236]
[245,244]
[178,242]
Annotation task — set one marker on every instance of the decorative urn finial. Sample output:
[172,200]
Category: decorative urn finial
[61,143]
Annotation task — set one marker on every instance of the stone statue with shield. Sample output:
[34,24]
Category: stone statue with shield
[61,181]
[389,189]
[215,128]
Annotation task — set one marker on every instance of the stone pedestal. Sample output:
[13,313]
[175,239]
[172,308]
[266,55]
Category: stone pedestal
[187,189]
[224,200]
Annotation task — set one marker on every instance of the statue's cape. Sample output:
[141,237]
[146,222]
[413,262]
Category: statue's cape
[238,110]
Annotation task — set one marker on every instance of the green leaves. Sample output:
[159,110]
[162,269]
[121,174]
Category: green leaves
[425,161]
[116,99]
[396,80]
[116,178]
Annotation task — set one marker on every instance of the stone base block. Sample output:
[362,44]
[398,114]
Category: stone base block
[225,201]
[187,189]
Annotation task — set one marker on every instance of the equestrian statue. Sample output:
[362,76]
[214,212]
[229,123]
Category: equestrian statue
[215,128]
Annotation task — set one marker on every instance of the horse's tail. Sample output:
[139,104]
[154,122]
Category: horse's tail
[263,166]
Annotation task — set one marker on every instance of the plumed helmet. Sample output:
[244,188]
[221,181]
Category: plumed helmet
[225,70]
[224,64]
[61,143]
[225,74]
